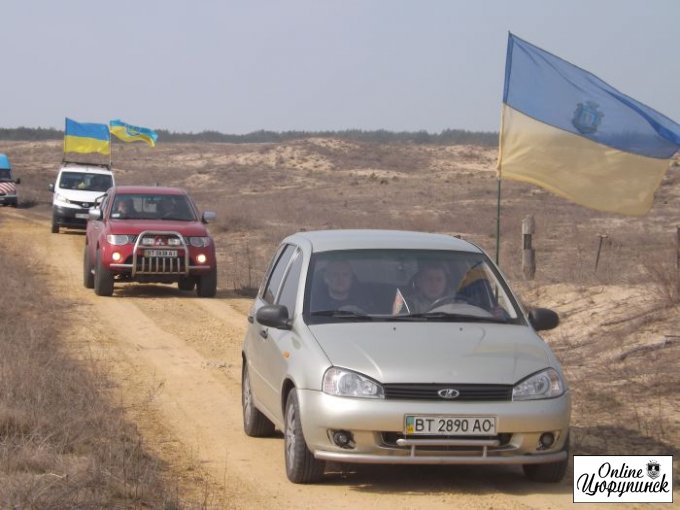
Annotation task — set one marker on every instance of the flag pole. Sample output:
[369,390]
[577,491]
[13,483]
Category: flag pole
[498,194]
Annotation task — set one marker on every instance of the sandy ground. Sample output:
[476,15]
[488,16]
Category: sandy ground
[175,362]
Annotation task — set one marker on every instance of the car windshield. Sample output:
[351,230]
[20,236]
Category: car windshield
[152,207]
[406,285]
[85,181]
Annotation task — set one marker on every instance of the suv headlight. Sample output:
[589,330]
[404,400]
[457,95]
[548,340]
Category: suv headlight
[345,383]
[544,384]
[118,239]
[199,242]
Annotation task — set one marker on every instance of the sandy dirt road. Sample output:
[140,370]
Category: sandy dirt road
[175,360]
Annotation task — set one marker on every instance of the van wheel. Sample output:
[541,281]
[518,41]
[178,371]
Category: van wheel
[103,279]
[55,226]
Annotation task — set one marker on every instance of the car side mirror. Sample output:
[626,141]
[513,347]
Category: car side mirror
[17,180]
[274,316]
[95,214]
[208,216]
[543,318]
[51,187]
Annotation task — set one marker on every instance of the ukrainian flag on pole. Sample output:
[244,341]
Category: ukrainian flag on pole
[567,131]
[86,138]
[128,133]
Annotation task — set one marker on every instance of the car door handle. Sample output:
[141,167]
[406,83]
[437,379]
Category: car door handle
[251,319]
[264,333]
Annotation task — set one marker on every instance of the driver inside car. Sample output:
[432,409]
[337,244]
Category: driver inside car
[431,283]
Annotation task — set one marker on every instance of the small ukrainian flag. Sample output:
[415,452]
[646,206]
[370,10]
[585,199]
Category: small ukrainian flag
[86,138]
[128,133]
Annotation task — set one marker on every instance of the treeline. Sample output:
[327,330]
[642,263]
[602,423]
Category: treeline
[446,137]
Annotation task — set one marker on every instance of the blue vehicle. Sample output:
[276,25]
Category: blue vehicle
[8,189]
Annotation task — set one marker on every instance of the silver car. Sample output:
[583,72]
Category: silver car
[390,347]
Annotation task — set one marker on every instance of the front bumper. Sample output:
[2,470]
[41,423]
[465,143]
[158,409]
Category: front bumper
[70,217]
[377,427]
[8,200]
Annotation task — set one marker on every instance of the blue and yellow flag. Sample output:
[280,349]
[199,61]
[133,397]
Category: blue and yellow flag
[128,133]
[567,131]
[86,138]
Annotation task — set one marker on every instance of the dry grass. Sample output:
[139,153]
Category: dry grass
[63,444]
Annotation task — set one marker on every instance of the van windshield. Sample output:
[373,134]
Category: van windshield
[85,181]
[5,174]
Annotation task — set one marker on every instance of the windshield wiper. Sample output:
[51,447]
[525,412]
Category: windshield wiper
[445,316]
[343,314]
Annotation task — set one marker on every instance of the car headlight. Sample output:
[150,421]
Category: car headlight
[118,239]
[544,384]
[199,242]
[345,383]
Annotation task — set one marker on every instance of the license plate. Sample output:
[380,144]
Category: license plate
[82,216]
[160,253]
[450,425]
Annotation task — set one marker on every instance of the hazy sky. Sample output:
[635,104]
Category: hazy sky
[240,66]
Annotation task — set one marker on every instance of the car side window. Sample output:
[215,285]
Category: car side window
[288,294]
[277,274]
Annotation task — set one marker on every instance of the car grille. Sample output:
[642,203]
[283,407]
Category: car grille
[467,392]
[160,265]
[390,439]
[142,264]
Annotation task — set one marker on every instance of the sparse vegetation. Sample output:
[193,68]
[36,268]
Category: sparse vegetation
[63,443]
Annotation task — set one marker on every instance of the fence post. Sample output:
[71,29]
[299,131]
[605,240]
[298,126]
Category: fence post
[599,248]
[677,248]
[528,259]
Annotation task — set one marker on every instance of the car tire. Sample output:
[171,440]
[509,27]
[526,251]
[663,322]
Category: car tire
[103,279]
[255,424]
[186,283]
[552,472]
[301,466]
[88,277]
[206,286]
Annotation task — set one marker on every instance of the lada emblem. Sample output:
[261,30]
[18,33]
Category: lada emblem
[448,393]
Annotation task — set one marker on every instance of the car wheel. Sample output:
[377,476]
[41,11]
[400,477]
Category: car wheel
[206,286]
[301,466]
[186,284]
[103,279]
[255,424]
[552,472]
[88,277]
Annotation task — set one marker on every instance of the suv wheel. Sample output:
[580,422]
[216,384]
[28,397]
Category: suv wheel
[255,424]
[88,277]
[103,279]
[206,286]
[301,466]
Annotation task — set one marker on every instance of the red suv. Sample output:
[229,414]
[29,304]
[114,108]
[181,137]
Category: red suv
[149,234]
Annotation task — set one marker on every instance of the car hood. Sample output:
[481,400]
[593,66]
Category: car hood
[186,228]
[434,352]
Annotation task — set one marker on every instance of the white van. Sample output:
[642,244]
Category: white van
[77,187]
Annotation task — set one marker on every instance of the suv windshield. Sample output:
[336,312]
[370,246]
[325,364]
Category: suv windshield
[85,181]
[152,207]
[406,285]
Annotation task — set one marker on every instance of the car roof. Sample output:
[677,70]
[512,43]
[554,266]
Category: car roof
[149,190]
[362,239]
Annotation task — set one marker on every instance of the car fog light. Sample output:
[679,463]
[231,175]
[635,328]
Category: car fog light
[343,439]
[546,440]
[201,259]
[115,256]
